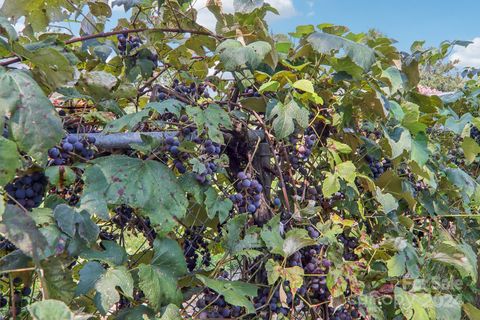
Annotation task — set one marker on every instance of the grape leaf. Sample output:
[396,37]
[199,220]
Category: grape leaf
[106,287]
[70,221]
[360,54]
[18,227]
[7,29]
[58,279]
[330,185]
[388,202]
[235,56]
[470,148]
[284,115]
[472,312]
[217,205]
[89,275]
[9,160]
[234,292]
[147,185]
[158,280]
[21,97]
[447,307]
[211,118]
[114,254]
[271,235]
[51,310]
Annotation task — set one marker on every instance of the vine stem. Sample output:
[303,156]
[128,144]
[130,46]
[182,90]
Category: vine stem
[127,31]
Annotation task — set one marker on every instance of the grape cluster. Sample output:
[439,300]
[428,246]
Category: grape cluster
[123,215]
[210,151]
[299,150]
[5,129]
[378,167]
[249,195]
[18,298]
[348,311]
[27,190]
[71,194]
[475,134]
[214,306]
[251,92]
[310,259]
[127,42]
[191,91]
[6,245]
[274,305]
[195,244]
[349,246]
[125,218]
[69,147]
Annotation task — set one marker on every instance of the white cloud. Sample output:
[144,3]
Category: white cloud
[468,56]
[205,18]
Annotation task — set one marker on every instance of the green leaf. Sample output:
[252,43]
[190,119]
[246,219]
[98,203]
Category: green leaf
[38,14]
[9,160]
[233,291]
[159,279]
[114,254]
[336,146]
[325,43]
[284,116]
[304,85]
[295,240]
[7,29]
[388,202]
[271,235]
[217,205]
[106,287]
[18,227]
[60,175]
[347,171]
[396,265]
[400,140]
[472,312]
[171,313]
[169,105]
[51,310]
[395,78]
[234,55]
[98,84]
[147,185]
[460,256]
[470,148]
[293,274]
[26,103]
[462,180]
[447,307]
[126,122]
[211,118]
[89,275]
[58,279]
[71,222]
[55,69]
[420,153]
[456,125]
[270,86]
[415,306]
[330,184]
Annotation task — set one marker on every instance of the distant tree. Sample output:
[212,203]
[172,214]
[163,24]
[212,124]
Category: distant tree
[442,76]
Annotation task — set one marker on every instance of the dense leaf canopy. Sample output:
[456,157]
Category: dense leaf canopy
[162,170]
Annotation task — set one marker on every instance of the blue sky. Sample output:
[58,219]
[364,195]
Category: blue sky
[405,20]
